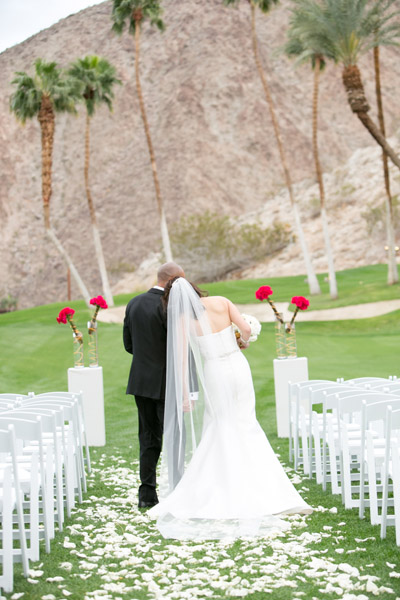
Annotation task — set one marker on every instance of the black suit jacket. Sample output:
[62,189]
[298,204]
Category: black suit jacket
[145,336]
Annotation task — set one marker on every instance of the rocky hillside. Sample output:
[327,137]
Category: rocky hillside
[213,140]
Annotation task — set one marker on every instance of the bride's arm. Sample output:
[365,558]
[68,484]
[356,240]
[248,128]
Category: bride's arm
[237,319]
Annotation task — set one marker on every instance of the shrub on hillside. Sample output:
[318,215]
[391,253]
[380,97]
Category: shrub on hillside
[8,304]
[375,219]
[210,246]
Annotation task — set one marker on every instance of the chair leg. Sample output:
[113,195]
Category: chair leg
[7,579]
[372,485]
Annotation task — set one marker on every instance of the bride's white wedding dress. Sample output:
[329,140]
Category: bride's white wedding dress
[233,484]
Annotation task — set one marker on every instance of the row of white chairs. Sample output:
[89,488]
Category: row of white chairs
[43,464]
[347,434]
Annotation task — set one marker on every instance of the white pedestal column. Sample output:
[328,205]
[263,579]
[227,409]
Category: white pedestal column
[285,370]
[89,380]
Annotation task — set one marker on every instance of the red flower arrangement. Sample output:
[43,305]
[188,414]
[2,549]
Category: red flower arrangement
[263,293]
[301,303]
[98,302]
[65,316]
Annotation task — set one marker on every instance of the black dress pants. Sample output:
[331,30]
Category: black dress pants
[151,423]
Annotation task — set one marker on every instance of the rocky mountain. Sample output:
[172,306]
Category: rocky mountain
[213,140]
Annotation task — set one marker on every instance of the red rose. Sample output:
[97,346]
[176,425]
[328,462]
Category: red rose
[263,292]
[301,302]
[99,301]
[62,317]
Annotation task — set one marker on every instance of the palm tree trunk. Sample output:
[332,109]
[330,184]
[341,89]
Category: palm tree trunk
[46,119]
[359,105]
[47,125]
[95,230]
[70,264]
[311,277]
[163,222]
[325,227]
[393,276]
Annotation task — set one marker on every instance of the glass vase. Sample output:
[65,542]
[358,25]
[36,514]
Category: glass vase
[78,351]
[93,354]
[291,347]
[280,337]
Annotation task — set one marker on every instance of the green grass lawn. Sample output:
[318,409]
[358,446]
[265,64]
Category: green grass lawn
[36,353]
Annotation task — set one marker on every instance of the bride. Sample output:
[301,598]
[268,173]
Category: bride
[219,475]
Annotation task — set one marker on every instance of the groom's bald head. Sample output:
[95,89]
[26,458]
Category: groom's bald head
[168,271]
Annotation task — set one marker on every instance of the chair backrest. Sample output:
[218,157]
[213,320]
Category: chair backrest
[300,388]
[377,411]
[393,420]
[5,440]
[389,386]
[6,396]
[6,404]
[66,407]
[8,446]
[352,402]
[309,382]
[318,394]
[30,413]
[25,429]
[358,380]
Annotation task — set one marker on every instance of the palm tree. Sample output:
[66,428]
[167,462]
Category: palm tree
[133,13]
[42,96]
[265,6]
[347,29]
[95,77]
[393,275]
[297,45]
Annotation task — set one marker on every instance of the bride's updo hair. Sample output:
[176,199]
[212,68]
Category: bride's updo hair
[167,291]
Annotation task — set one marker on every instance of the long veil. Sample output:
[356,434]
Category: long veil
[186,394]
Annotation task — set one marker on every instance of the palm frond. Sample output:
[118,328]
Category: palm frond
[343,30]
[94,79]
[124,13]
[48,79]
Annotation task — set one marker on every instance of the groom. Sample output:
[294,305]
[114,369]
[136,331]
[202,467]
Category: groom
[145,336]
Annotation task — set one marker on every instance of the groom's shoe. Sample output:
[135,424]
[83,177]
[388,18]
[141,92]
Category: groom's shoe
[147,504]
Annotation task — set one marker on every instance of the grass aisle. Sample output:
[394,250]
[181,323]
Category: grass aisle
[110,549]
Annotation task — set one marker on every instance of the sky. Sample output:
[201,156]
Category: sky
[19,19]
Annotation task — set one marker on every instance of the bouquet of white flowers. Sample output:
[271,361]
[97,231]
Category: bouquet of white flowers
[254,324]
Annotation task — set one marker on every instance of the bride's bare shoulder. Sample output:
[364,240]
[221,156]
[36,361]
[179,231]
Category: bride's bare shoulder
[214,301]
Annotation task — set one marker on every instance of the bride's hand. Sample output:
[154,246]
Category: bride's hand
[188,406]
[241,343]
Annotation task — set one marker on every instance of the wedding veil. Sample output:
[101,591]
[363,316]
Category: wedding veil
[186,394]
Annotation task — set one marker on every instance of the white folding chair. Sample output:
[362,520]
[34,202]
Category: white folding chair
[71,458]
[295,396]
[317,425]
[298,420]
[81,419]
[27,431]
[74,463]
[391,471]
[350,424]
[10,501]
[372,454]
[51,421]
